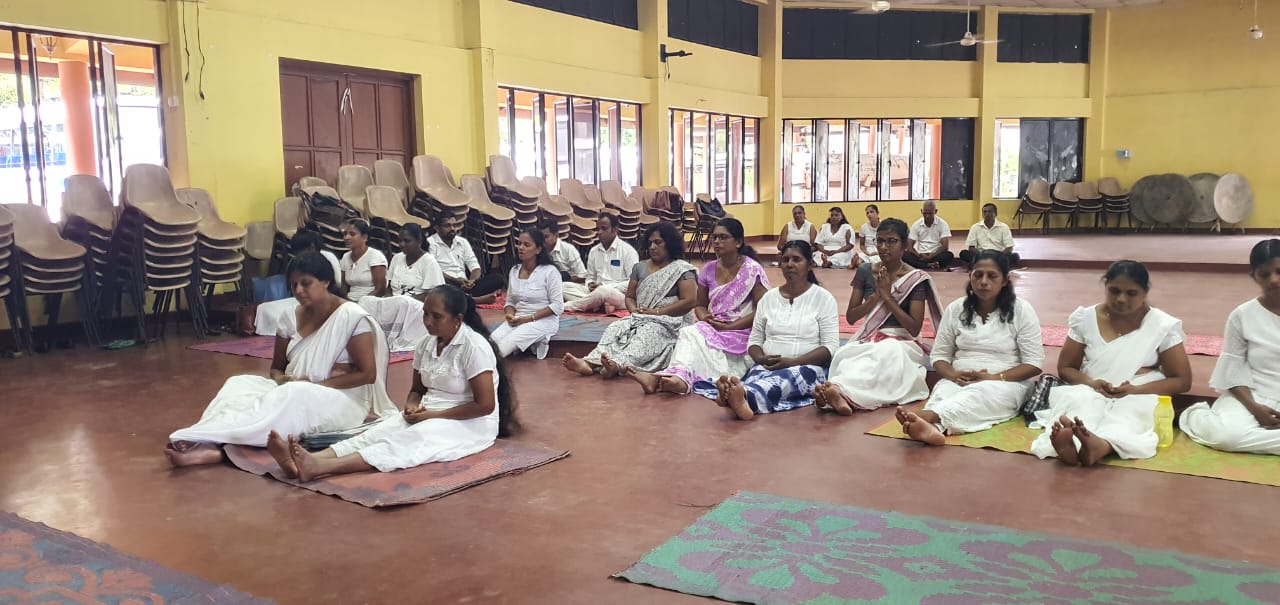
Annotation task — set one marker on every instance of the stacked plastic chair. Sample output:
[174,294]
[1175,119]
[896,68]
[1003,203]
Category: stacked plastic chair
[490,225]
[219,247]
[583,205]
[15,302]
[507,190]
[552,208]
[1036,201]
[1090,202]
[258,247]
[46,264]
[391,173]
[436,197]
[285,219]
[154,248]
[632,219]
[353,179]
[387,215]
[1115,200]
[1063,195]
[324,212]
[88,219]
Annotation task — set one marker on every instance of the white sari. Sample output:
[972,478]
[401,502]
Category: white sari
[248,407]
[882,365]
[1127,423]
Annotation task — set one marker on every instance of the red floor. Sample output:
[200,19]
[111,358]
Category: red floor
[83,430]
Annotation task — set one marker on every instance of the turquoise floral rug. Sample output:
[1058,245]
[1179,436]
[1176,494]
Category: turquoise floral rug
[758,548]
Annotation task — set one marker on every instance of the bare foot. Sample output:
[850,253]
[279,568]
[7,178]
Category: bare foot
[609,309]
[900,413]
[1092,447]
[487,299]
[673,385]
[609,369]
[648,380]
[722,391]
[1060,435]
[921,430]
[278,447]
[182,446]
[738,399]
[829,395]
[576,365]
[204,453]
[307,466]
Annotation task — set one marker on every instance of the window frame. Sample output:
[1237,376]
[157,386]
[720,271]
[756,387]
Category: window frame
[682,176]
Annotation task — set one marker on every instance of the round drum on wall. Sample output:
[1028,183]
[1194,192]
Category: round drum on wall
[1233,198]
[1162,198]
[1204,183]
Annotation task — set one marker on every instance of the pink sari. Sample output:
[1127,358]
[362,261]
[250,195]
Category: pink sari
[730,302]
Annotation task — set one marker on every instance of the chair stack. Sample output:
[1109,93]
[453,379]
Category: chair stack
[387,215]
[391,173]
[490,224]
[553,207]
[219,246]
[507,190]
[631,217]
[1065,201]
[258,247]
[1090,202]
[324,211]
[51,266]
[583,205]
[436,195]
[1036,201]
[1115,200]
[353,179]
[15,301]
[285,220]
[154,248]
[88,219]
[704,224]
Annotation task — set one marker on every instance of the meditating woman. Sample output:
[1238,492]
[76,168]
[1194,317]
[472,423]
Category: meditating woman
[267,315]
[866,236]
[660,295]
[988,348]
[884,363]
[413,272]
[364,269]
[796,329]
[833,246]
[328,373]
[1246,416]
[459,404]
[534,299]
[798,229]
[1118,357]
[729,288]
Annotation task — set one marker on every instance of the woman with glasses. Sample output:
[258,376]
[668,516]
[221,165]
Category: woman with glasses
[884,363]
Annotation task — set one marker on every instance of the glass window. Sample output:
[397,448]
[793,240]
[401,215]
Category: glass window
[926,159]
[504,123]
[750,157]
[525,141]
[829,174]
[799,154]
[606,142]
[701,153]
[864,159]
[584,141]
[736,162]
[559,149]
[714,154]
[629,146]
[895,161]
[1008,141]
[720,146]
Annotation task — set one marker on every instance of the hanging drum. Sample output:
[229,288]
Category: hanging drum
[1233,198]
[1204,183]
[1138,199]
[1165,198]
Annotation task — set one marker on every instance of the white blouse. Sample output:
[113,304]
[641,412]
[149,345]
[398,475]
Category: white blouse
[827,240]
[993,345]
[542,289]
[359,273]
[447,375]
[791,328]
[1082,327]
[867,234]
[798,233]
[1250,358]
[414,280]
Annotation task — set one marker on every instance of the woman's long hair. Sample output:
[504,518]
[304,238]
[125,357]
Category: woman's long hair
[671,239]
[806,251]
[457,302]
[734,227]
[1005,300]
[313,264]
[843,219]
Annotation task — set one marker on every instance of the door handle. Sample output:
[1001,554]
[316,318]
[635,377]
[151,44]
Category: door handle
[346,100]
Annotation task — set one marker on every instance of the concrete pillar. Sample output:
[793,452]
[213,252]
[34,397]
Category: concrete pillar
[77,96]
[655,116]
[769,137]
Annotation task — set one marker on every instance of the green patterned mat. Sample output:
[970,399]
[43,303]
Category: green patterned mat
[1184,457]
[758,548]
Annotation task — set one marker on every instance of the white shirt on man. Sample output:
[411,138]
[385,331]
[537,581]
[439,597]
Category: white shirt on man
[611,266]
[995,237]
[928,238]
[566,258]
[457,260]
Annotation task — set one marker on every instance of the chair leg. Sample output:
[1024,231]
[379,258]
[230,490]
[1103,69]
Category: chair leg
[86,318]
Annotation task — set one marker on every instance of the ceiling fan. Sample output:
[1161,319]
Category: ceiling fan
[873,8]
[968,39]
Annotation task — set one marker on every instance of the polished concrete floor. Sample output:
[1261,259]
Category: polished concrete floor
[82,433]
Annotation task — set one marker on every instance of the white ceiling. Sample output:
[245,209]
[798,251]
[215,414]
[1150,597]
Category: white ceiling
[1063,4]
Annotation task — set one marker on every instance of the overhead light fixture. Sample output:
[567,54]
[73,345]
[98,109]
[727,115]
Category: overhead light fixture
[1255,32]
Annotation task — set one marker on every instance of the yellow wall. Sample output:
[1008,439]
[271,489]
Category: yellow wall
[1188,91]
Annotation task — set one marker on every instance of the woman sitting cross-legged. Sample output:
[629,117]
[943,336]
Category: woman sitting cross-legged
[459,404]
[834,245]
[412,274]
[535,299]
[1118,357]
[729,288]
[988,348]
[660,295]
[797,327]
[883,364]
[1247,415]
[328,373]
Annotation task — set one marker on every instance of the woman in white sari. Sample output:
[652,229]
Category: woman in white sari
[329,372]
[412,273]
[1118,358]
[1246,416]
[884,363]
[660,295]
[988,348]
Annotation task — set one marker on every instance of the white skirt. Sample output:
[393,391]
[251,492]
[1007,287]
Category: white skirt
[393,444]
[976,407]
[840,260]
[1127,423]
[267,319]
[249,407]
[400,317]
[521,337]
[876,374]
[1230,427]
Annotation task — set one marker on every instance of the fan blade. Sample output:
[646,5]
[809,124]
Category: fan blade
[989,41]
[936,44]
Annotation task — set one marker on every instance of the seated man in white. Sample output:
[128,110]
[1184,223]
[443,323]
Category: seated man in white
[568,261]
[608,270]
[928,240]
[458,262]
[989,234]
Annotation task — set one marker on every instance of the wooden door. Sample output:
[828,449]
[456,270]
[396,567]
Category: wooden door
[334,115]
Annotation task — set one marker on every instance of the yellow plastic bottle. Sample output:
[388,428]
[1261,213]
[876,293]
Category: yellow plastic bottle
[1164,421]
